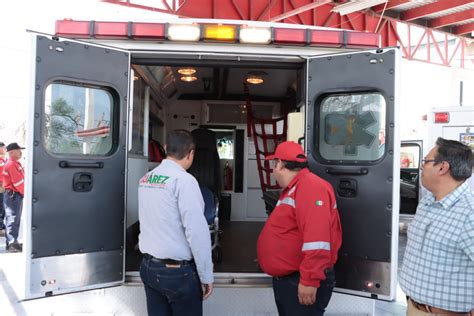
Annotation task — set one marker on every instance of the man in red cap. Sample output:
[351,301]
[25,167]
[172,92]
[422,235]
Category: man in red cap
[14,182]
[3,161]
[299,243]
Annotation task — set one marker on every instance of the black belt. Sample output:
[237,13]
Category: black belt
[11,192]
[435,310]
[168,261]
[326,271]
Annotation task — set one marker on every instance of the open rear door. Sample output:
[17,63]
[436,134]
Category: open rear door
[352,143]
[76,177]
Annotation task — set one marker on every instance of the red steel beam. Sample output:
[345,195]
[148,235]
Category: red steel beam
[137,6]
[450,19]
[432,8]
[314,12]
[299,10]
[392,4]
[464,29]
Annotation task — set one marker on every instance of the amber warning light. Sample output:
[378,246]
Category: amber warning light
[441,117]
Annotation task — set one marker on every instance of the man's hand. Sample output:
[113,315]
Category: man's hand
[307,294]
[206,290]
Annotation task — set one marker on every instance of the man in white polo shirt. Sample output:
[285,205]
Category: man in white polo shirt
[174,236]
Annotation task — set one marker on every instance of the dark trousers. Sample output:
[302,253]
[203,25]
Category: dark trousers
[2,212]
[285,290]
[171,289]
[13,204]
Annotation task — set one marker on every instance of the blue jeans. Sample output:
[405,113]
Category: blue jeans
[2,212]
[13,204]
[171,290]
[285,290]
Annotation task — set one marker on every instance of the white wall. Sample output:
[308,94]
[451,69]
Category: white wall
[425,86]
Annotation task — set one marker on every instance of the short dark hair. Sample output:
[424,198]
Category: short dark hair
[458,155]
[2,144]
[179,143]
[294,165]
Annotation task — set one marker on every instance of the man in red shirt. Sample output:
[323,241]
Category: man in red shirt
[3,161]
[299,243]
[14,182]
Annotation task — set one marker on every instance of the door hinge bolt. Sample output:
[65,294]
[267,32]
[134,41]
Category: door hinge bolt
[391,71]
[392,125]
[37,115]
[35,171]
[389,206]
[34,200]
[38,59]
[389,179]
[390,152]
[36,143]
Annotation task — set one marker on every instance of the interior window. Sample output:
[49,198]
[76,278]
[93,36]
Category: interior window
[410,156]
[138,128]
[78,119]
[225,144]
[352,127]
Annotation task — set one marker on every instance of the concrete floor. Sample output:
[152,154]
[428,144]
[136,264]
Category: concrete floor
[12,282]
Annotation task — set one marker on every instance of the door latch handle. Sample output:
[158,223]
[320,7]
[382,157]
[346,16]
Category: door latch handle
[82,182]
[347,187]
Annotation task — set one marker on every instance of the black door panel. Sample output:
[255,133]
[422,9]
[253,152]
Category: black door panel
[78,176]
[351,142]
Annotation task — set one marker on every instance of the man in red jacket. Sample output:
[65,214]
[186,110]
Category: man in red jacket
[3,161]
[299,243]
[14,182]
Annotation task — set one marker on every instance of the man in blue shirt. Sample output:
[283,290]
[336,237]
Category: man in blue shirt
[174,237]
[437,274]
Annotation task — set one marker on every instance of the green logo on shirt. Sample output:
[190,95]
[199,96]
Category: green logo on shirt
[157,179]
[319,203]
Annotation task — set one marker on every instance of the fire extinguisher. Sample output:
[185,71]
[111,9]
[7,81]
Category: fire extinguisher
[228,177]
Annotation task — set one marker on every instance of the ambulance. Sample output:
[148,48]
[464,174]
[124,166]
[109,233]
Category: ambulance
[103,91]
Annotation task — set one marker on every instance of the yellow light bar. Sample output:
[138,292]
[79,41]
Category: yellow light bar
[218,32]
[183,32]
[255,35]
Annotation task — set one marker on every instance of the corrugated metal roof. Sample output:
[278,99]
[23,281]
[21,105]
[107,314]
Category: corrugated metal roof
[449,7]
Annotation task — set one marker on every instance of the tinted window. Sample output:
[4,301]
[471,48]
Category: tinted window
[352,127]
[78,119]
[138,127]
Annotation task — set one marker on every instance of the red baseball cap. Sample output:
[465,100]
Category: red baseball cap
[289,151]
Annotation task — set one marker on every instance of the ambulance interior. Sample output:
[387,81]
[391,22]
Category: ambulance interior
[211,95]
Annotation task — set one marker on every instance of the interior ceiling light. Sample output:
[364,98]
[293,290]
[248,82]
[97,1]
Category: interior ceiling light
[255,77]
[188,78]
[354,6]
[186,71]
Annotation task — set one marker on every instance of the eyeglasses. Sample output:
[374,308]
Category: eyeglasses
[425,161]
